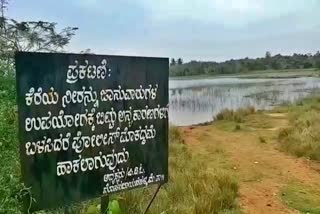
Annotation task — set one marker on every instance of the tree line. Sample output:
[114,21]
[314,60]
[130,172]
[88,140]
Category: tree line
[268,62]
[176,62]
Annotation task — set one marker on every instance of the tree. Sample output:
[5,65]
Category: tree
[277,62]
[31,35]
[268,54]
[34,36]
[180,61]
[173,62]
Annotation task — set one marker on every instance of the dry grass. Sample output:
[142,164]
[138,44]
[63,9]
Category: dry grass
[302,138]
[175,135]
[191,188]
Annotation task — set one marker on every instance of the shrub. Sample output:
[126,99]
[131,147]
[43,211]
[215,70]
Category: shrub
[236,116]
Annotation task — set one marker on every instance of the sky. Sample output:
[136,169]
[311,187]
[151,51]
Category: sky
[207,30]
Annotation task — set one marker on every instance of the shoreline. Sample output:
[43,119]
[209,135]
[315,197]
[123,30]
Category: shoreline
[268,74]
[272,110]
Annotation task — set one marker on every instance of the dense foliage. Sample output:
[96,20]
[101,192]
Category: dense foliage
[276,62]
[10,186]
[30,35]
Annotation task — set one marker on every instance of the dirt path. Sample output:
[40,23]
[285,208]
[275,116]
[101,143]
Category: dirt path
[262,169]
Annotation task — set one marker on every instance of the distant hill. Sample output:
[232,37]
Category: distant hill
[233,66]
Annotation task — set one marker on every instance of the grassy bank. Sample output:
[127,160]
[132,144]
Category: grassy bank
[284,145]
[302,137]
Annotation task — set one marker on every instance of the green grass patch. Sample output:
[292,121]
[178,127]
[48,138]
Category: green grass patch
[9,150]
[259,120]
[304,198]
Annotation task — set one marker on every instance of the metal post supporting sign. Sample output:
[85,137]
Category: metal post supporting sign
[154,196]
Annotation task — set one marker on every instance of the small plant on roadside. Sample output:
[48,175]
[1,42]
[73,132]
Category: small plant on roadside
[175,135]
[262,139]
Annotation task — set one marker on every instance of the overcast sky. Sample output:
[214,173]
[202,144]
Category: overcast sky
[192,29]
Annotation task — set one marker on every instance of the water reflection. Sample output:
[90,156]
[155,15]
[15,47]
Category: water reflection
[197,101]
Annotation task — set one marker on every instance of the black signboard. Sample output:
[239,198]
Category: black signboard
[90,124]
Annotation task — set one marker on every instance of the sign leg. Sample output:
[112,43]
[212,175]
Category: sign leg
[154,196]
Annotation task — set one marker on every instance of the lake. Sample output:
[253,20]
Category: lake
[197,101]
